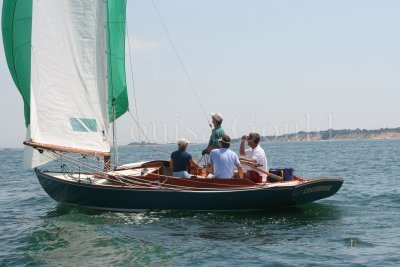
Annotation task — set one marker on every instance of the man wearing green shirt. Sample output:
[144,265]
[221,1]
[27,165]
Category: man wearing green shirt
[216,133]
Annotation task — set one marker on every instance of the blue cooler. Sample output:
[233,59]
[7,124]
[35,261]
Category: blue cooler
[286,173]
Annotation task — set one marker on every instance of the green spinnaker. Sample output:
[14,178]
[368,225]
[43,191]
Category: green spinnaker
[117,90]
[16,25]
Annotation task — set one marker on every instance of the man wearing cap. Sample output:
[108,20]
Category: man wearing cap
[216,133]
[180,160]
[254,154]
[223,160]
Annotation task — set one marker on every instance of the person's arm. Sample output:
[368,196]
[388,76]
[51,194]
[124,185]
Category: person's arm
[239,167]
[257,158]
[240,171]
[193,162]
[242,151]
[209,149]
[209,168]
[171,165]
[210,144]
[214,143]
[252,160]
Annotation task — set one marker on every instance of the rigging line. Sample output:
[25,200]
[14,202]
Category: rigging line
[133,81]
[126,179]
[140,128]
[144,134]
[182,65]
[133,179]
[139,181]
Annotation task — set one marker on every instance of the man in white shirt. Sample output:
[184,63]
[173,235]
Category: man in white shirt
[254,154]
[223,160]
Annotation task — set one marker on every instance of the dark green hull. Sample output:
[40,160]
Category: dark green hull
[135,199]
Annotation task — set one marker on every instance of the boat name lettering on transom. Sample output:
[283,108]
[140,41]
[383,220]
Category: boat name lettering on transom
[321,188]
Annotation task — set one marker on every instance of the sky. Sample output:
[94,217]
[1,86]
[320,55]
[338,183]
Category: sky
[272,67]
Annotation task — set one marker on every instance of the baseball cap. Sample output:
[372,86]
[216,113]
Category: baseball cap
[225,139]
[218,116]
[183,141]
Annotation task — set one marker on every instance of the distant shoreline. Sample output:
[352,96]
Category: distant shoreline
[335,135]
[328,135]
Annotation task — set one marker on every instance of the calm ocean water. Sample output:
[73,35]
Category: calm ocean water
[359,226]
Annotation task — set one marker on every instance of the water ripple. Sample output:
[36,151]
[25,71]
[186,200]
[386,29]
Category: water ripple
[358,226]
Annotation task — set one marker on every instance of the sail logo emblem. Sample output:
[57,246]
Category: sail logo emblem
[83,124]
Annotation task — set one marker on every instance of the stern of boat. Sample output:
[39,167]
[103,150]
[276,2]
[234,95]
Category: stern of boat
[317,189]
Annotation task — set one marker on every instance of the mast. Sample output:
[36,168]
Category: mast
[111,90]
[115,52]
[115,145]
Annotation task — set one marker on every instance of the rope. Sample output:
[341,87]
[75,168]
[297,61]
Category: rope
[133,81]
[145,136]
[182,65]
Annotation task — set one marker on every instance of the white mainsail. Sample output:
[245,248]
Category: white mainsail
[69,74]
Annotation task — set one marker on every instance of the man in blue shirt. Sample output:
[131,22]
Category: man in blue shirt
[181,159]
[223,160]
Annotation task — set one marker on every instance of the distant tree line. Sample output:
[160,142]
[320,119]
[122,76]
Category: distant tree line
[330,134]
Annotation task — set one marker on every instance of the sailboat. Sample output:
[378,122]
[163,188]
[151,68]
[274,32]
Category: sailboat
[67,59]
